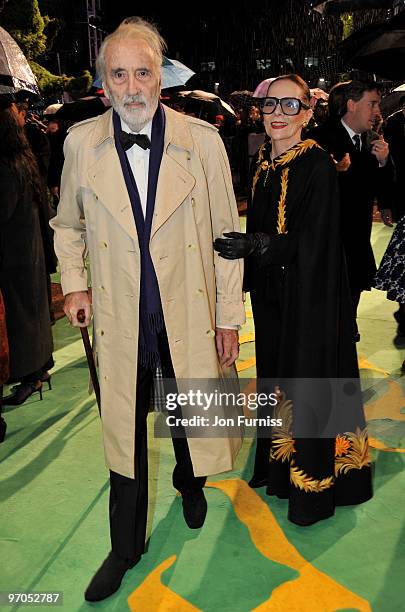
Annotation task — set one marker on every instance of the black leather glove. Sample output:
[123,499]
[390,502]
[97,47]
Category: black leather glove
[237,245]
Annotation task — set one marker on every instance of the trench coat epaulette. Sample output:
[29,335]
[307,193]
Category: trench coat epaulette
[201,123]
[79,123]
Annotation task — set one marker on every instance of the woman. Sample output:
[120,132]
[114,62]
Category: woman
[296,275]
[390,276]
[22,262]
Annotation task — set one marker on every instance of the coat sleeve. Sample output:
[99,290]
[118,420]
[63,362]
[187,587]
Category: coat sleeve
[224,218]
[69,223]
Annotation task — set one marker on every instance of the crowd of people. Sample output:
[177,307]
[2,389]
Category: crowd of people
[147,191]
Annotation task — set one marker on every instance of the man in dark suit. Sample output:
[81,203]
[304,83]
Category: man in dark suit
[365,173]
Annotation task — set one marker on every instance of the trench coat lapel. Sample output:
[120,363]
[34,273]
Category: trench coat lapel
[106,178]
[175,182]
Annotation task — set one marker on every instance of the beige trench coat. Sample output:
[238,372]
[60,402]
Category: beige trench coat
[194,204]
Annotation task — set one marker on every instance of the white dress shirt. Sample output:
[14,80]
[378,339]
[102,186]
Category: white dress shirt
[352,133]
[139,161]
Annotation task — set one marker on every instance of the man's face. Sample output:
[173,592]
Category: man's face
[132,81]
[364,112]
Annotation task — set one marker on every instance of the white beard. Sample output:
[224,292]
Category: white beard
[135,118]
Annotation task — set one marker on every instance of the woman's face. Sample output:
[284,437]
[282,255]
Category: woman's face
[285,130]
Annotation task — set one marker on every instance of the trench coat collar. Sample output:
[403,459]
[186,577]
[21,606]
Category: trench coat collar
[175,181]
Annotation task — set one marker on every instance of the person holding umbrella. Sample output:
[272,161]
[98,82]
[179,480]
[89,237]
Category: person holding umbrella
[147,190]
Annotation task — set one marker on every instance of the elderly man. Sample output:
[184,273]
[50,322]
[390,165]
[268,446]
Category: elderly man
[147,190]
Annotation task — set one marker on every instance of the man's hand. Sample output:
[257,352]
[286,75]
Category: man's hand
[386,216]
[236,245]
[227,341]
[344,163]
[74,302]
[380,149]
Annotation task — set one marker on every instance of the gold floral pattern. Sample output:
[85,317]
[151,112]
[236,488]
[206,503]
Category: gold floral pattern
[342,445]
[295,151]
[282,447]
[263,165]
[357,455]
[351,451]
[308,484]
[281,218]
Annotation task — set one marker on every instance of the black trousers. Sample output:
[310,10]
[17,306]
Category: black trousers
[129,497]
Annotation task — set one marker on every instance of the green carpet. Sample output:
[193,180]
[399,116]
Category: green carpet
[54,503]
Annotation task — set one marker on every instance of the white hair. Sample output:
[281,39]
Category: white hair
[133,28]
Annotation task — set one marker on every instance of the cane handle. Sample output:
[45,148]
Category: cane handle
[81,316]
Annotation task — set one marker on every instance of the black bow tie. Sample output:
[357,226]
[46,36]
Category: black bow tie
[128,140]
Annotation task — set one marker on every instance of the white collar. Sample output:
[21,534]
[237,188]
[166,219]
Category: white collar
[147,129]
[349,130]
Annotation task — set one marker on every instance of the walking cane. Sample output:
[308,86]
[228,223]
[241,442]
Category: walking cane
[90,358]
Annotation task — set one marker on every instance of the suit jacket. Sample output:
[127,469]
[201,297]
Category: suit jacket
[359,186]
[199,290]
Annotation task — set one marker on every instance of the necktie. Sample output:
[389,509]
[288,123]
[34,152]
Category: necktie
[128,140]
[356,140]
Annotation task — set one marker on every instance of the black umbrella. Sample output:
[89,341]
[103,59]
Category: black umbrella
[336,7]
[378,48]
[84,108]
[241,99]
[205,100]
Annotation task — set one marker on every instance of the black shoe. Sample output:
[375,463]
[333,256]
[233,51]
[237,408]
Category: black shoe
[357,337]
[257,481]
[46,378]
[194,508]
[22,392]
[403,367]
[107,580]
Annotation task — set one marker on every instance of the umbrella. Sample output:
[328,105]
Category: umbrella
[336,7]
[174,74]
[378,48]
[317,94]
[390,103]
[84,108]
[15,72]
[242,99]
[207,100]
[261,89]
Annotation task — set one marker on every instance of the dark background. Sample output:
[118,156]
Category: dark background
[236,44]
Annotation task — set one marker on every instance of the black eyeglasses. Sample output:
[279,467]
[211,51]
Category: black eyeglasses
[289,106]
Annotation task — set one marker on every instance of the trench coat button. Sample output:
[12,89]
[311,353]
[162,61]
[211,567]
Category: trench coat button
[199,292]
[105,377]
[191,247]
[96,197]
[192,202]
[102,288]
[210,333]
[103,245]
[188,156]
[100,332]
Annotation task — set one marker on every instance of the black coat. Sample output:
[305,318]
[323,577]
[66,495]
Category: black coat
[303,274]
[23,279]
[303,329]
[359,186]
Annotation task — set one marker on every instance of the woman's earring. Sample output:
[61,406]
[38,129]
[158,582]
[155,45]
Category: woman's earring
[305,124]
